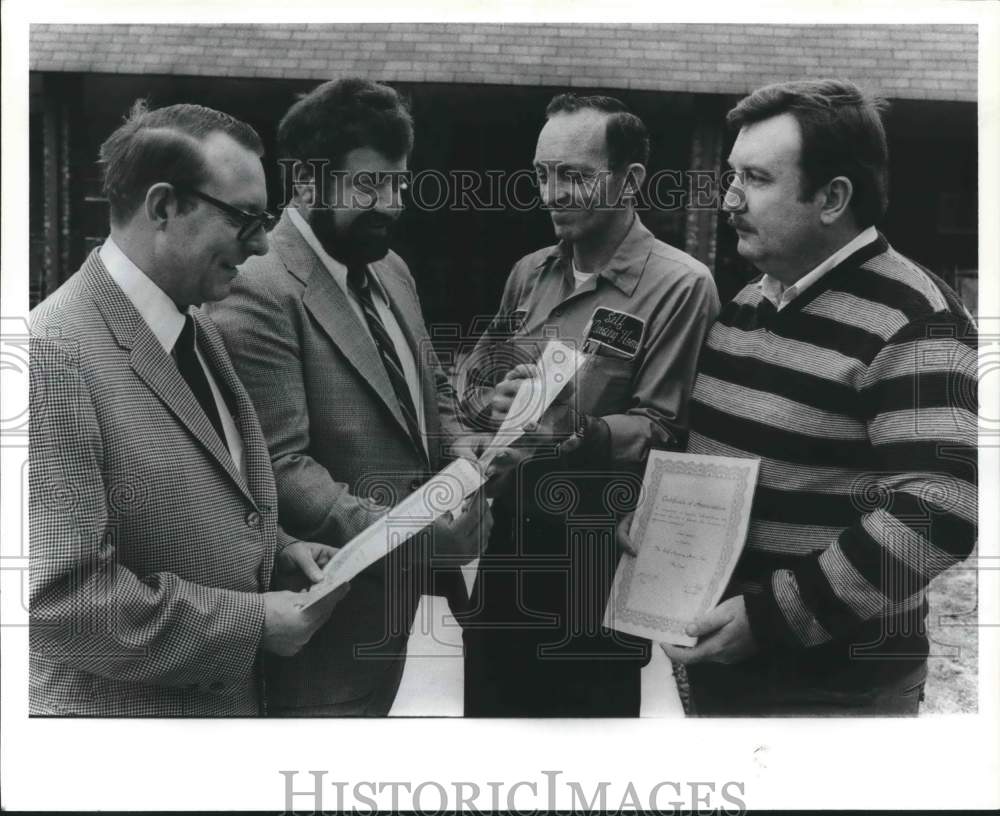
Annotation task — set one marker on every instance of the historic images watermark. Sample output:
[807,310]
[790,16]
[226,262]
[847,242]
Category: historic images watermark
[317,791]
[546,185]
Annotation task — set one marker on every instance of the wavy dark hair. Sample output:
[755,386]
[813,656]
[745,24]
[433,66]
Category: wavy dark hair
[339,116]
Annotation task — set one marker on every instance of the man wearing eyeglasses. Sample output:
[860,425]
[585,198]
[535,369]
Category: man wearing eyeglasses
[153,512]
[850,371]
[327,335]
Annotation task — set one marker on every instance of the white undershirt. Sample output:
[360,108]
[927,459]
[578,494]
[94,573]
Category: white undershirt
[166,322]
[581,277]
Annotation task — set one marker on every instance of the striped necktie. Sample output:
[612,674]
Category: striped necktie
[357,279]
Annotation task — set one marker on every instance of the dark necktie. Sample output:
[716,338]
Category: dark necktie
[194,375]
[357,279]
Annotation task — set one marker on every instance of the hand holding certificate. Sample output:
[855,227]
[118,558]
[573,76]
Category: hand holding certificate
[689,530]
[444,493]
[447,492]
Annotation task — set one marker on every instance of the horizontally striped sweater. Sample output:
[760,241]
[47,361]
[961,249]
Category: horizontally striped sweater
[860,399]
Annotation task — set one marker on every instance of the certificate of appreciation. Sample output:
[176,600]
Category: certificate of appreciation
[689,530]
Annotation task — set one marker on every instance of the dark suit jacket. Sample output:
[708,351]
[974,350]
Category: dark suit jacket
[339,447]
[149,549]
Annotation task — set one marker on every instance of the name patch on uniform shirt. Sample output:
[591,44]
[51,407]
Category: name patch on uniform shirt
[616,330]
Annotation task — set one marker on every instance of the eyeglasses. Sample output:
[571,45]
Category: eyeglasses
[250,222]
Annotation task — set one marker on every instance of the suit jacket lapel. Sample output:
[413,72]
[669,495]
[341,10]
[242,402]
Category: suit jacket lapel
[328,304]
[154,367]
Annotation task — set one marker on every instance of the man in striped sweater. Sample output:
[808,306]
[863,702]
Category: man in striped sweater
[850,371]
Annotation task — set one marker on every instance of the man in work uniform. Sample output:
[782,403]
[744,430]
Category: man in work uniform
[534,644]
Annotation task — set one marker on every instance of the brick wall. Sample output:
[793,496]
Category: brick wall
[900,61]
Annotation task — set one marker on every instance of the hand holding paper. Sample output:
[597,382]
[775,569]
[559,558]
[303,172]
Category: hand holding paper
[688,532]
[289,622]
[536,389]
[300,564]
[462,535]
[441,495]
[528,392]
[622,537]
[506,391]
[724,636]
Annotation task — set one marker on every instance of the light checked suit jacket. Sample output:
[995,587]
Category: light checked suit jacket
[338,444]
[148,548]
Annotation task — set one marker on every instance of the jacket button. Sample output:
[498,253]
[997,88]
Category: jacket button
[416,483]
[253,519]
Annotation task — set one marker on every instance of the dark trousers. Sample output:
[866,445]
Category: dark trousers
[505,679]
[534,644]
[377,703]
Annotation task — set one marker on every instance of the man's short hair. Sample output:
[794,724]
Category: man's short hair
[842,135]
[626,135]
[339,116]
[163,145]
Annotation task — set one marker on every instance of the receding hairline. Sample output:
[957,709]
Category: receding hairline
[757,123]
[214,170]
[601,117]
[584,112]
[210,170]
[199,142]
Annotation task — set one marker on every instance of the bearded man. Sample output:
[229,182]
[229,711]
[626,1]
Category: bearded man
[326,333]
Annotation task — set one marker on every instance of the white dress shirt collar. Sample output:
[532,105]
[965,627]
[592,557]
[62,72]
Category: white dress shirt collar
[161,314]
[166,322]
[780,295]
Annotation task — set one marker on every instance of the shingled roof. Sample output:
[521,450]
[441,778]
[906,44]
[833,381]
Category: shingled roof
[901,61]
